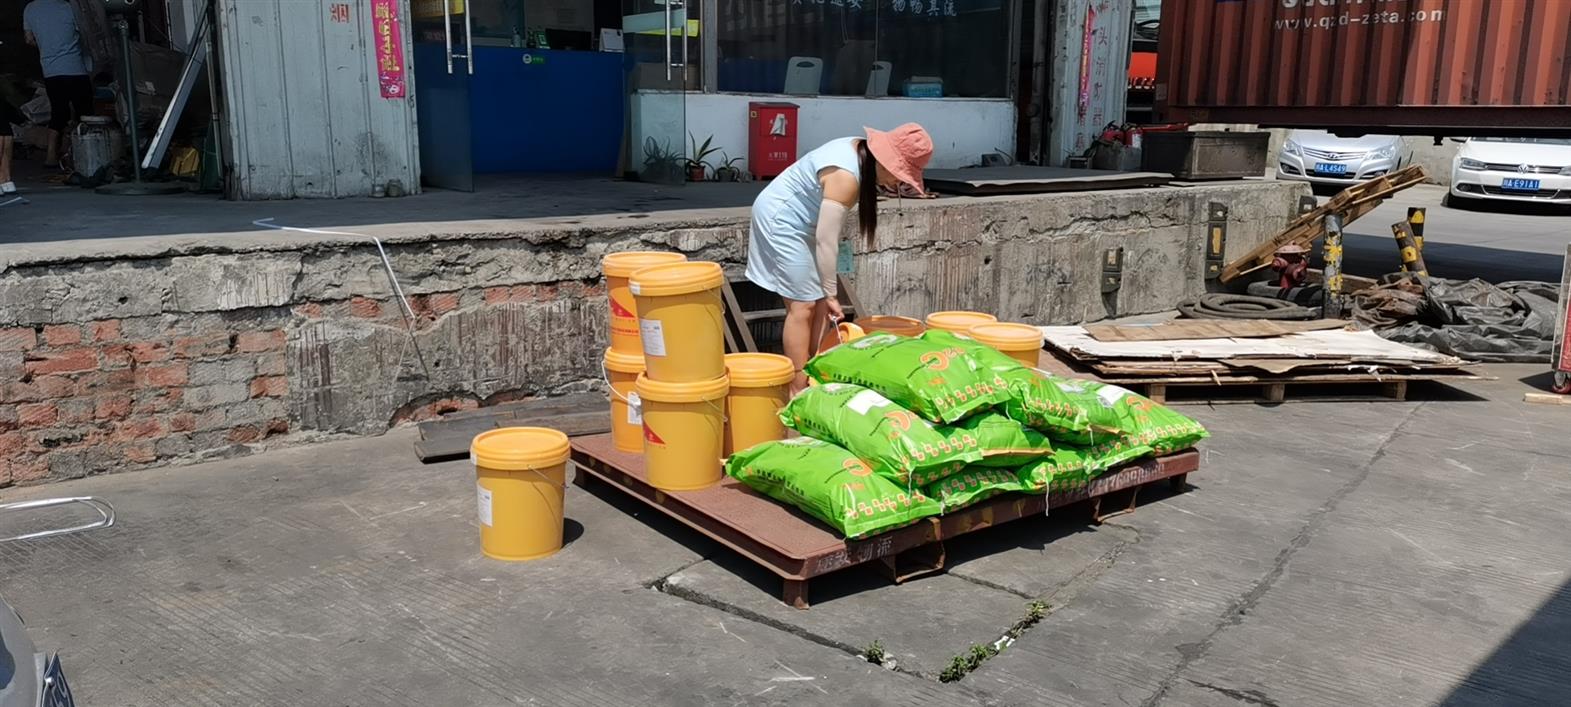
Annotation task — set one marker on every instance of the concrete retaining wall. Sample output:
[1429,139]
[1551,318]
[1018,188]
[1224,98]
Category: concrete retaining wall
[149,357]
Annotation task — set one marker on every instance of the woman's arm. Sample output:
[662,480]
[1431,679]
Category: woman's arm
[840,193]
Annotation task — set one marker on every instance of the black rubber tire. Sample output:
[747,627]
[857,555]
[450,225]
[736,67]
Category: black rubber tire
[1562,384]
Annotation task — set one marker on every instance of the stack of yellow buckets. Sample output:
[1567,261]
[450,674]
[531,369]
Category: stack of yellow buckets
[676,396]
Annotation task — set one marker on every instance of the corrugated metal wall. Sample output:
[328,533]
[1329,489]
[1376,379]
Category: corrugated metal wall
[1078,116]
[306,117]
[1427,57]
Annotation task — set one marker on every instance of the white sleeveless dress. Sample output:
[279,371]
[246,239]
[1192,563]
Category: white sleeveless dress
[781,243]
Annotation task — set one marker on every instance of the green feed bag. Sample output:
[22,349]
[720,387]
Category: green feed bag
[972,485]
[830,484]
[1070,467]
[939,382]
[1031,400]
[1003,441]
[1119,418]
[898,444]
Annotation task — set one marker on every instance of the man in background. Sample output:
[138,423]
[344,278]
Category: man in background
[51,26]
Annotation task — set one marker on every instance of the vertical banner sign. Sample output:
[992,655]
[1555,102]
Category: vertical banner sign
[1085,60]
[389,37]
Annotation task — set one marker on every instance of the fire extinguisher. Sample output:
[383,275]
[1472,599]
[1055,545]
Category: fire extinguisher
[1112,134]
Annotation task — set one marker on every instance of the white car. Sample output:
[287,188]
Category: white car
[1530,169]
[1319,157]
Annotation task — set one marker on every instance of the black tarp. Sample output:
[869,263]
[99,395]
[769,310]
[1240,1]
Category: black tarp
[1473,319]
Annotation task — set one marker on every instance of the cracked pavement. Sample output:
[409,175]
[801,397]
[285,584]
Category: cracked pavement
[1384,553]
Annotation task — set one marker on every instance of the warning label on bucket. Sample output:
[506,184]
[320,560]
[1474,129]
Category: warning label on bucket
[635,410]
[485,504]
[653,334]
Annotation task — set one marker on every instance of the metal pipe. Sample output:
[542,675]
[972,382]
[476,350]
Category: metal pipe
[1332,251]
[130,96]
[667,4]
[447,32]
[469,39]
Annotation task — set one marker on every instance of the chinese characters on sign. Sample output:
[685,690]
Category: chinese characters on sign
[388,34]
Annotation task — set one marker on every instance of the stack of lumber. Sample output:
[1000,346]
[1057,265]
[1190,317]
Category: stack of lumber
[1264,355]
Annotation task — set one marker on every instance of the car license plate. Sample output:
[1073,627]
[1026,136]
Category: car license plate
[1331,168]
[1513,184]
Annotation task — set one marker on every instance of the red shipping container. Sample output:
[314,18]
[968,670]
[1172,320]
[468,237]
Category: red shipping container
[771,138]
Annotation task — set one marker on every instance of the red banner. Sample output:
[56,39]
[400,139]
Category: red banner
[1085,60]
[388,34]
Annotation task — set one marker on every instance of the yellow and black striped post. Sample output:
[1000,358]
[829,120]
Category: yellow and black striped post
[1406,243]
[1415,218]
[1331,253]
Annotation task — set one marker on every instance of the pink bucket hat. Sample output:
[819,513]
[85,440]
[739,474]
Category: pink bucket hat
[903,151]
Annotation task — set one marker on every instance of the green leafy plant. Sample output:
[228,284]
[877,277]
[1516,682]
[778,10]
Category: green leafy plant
[662,164]
[962,665]
[874,653]
[698,166]
[728,171]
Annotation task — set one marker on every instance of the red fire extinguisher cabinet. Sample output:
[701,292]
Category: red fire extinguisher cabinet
[771,138]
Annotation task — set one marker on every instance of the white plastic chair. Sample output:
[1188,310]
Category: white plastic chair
[804,74]
[878,79]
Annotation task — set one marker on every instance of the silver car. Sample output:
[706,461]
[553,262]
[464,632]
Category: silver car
[1321,158]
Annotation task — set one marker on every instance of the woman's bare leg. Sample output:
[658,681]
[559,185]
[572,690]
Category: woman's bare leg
[797,338]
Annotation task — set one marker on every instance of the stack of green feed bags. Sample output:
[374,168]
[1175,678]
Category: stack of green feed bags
[899,429]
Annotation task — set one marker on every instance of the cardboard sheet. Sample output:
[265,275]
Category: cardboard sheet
[1331,344]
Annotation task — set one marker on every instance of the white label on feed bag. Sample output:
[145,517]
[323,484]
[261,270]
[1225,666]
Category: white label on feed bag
[1111,394]
[653,334]
[865,401]
[485,504]
[635,410]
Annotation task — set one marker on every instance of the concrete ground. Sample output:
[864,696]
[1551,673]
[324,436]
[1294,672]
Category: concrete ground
[1389,553]
[1493,241]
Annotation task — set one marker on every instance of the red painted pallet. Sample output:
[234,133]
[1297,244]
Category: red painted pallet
[798,548]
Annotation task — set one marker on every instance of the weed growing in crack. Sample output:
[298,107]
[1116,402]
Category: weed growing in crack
[962,665]
[874,653]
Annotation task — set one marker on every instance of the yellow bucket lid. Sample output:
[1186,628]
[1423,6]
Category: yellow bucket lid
[702,391]
[677,279]
[1007,335]
[958,321]
[759,370]
[519,448]
[904,326]
[623,362]
[626,263]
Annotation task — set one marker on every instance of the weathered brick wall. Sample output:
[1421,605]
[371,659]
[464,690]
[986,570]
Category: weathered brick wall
[184,353]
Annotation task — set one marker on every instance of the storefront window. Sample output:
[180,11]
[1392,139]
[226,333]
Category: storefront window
[920,48]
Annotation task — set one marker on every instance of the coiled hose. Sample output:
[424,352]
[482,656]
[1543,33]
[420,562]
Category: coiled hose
[1230,306]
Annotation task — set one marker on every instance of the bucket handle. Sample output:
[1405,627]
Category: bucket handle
[606,377]
[106,515]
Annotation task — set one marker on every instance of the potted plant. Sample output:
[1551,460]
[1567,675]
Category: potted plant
[698,167]
[661,164]
[728,171]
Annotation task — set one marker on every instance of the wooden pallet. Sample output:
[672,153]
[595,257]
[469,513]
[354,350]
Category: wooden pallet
[798,548]
[1215,386]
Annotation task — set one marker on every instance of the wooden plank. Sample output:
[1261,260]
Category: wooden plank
[455,444]
[1180,329]
[737,322]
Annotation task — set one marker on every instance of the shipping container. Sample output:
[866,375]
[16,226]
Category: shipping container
[1421,67]
[315,105]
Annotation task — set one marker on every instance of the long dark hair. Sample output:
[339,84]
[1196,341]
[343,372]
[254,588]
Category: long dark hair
[867,200]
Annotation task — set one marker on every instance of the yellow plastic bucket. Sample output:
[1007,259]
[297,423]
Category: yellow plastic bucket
[520,473]
[1022,342]
[618,267]
[958,322]
[902,326]
[760,386]
[627,421]
[684,430]
[679,321]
